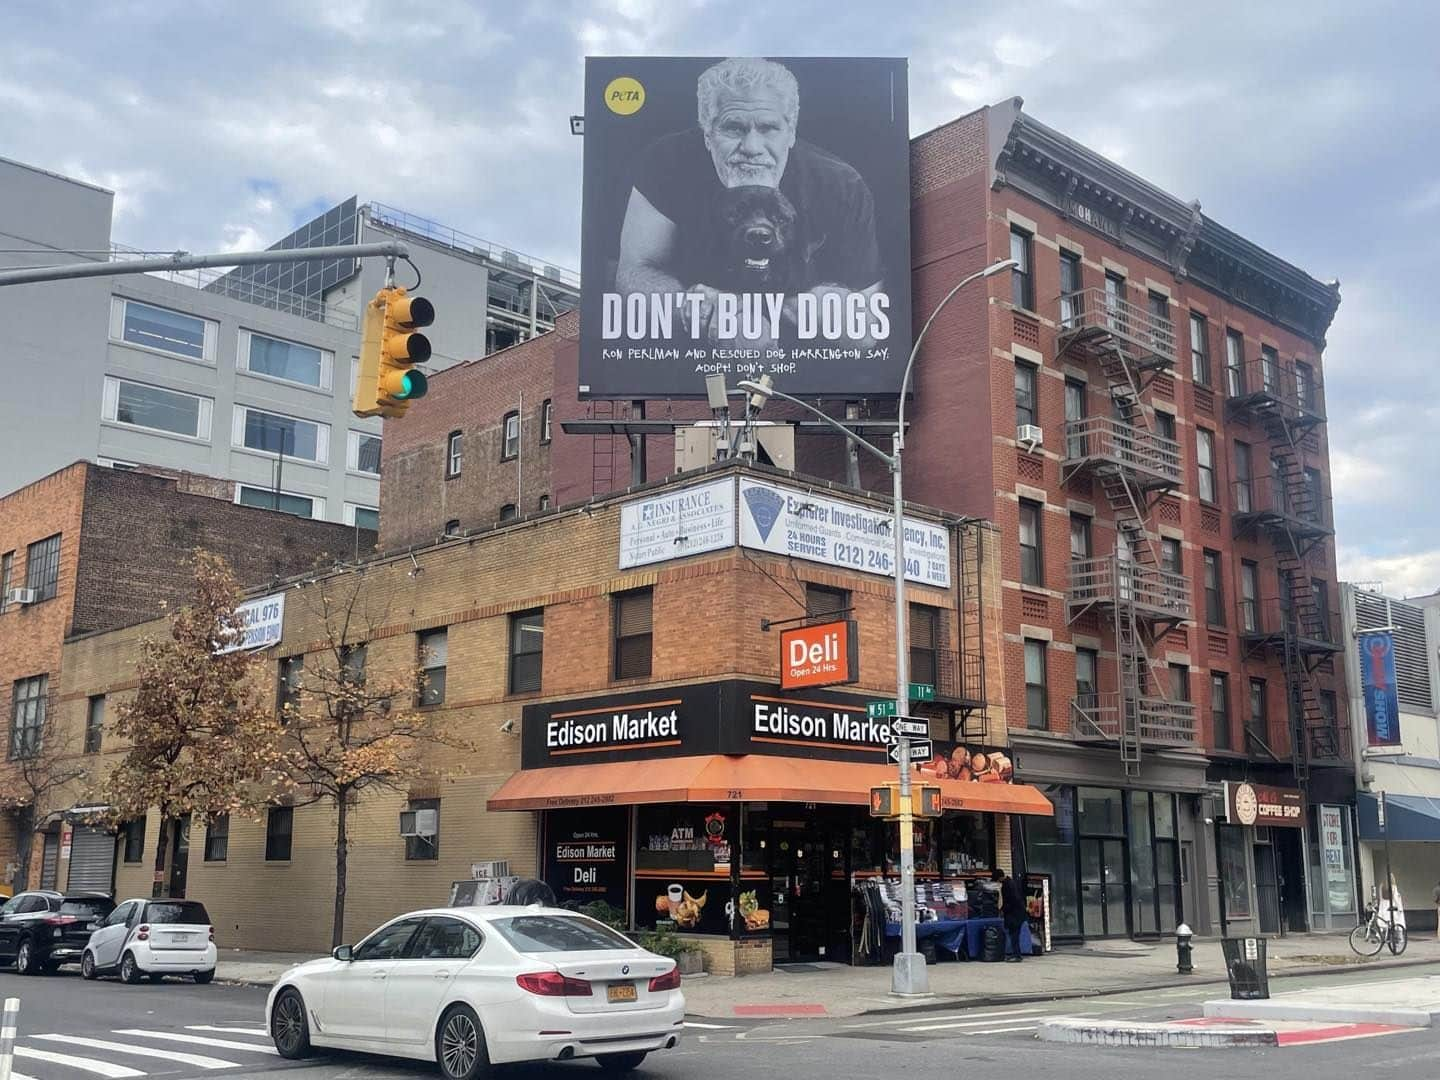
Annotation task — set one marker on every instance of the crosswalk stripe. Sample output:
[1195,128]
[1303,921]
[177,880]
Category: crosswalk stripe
[976,1020]
[200,1061]
[260,1031]
[1003,1030]
[708,1027]
[201,1040]
[20,1076]
[942,1016]
[103,1068]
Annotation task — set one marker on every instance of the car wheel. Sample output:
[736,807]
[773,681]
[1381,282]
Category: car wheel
[87,966]
[130,970]
[460,1045]
[26,962]
[620,1063]
[203,977]
[289,1029]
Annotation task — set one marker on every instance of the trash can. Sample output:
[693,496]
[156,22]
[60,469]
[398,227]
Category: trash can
[1245,968]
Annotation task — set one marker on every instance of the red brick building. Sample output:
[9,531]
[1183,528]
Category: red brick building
[1140,409]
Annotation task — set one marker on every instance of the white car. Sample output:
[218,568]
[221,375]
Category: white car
[152,938]
[478,986]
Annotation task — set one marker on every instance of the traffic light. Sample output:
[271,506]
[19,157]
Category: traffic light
[389,348]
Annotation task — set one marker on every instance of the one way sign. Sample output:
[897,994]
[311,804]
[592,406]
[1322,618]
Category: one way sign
[910,728]
[920,750]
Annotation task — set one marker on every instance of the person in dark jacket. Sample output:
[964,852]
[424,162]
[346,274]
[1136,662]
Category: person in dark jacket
[1012,910]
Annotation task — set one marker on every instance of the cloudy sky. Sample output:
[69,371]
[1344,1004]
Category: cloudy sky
[1310,126]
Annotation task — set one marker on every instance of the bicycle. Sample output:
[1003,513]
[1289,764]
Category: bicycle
[1376,933]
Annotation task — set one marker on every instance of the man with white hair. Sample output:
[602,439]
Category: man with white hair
[748,112]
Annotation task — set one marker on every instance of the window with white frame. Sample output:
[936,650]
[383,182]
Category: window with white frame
[155,408]
[163,330]
[286,360]
[547,416]
[510,446]
[305,506]
[362,454]
[453,450]
[272,433]
[366,517]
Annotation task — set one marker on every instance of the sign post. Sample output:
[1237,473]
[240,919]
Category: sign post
[1385,835]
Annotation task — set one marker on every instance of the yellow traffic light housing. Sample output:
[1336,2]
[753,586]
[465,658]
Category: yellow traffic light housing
[389,348]
[929,805]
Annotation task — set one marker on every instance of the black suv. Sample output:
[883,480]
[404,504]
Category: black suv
[40,930]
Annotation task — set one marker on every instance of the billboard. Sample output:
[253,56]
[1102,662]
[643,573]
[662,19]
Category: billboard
[1377,681]
[676,523]
[745,216]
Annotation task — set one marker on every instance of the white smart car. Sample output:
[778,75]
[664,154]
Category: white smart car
[152,938]
[477,986]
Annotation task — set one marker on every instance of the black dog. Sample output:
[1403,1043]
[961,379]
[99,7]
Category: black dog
[755,244]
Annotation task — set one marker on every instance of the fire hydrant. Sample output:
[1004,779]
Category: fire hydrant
[1183,949]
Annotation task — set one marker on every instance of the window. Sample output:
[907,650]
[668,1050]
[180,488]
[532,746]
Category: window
[1244,500]
[156,409]
[510,446]
[362,517]
[1171,556]
[434,647]
[134,840]
[1179,682]
[1158,305]
[1115,300]
[94,723]
[1071,301]
[547,417]
[284,501]
[632,633]
[7,571]
[1199,350]
[279,831]
[1025,409]
[558,933]
[352,663]
[1220,710]
[1205,461]
[1031,561]
[820,601]
[27,716]
[508,512]
[303,364]
[1074,413]
[42,567]
[1270,369]
[1305,385]
[1037,716]
[1279,489]
[271,433]
[389,942]
[1315,496]
[1022,281]
[1165,428]
[1249,596]
[543,504]
[1328,711]
[924,627]
[446,939]
[217,838]
[452,527]
[287,693]
[1080,536]
[1234,363]
[1233,847]
[157,328]
[423,847]
[452,455]
[362,454]
[1087,678]
[1257,722]
[1321,592]
[527,650]
[1214,594]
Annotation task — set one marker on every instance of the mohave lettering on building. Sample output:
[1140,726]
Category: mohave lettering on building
[781,721]
[621,728]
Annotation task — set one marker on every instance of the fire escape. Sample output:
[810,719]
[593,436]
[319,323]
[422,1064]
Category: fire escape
[1284,505]
[1136,467]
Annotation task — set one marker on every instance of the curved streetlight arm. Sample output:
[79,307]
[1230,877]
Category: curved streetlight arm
[852,436]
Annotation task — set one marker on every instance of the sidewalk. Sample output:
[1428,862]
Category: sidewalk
[1106,967]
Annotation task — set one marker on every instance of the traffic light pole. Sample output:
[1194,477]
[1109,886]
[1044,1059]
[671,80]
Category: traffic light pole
[183,260]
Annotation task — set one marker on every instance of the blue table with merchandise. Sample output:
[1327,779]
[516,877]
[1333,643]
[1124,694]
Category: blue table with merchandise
[964,937]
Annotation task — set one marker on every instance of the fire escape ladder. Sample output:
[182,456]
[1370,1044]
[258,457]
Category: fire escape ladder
[602,451]
[1134,661]
[973,712]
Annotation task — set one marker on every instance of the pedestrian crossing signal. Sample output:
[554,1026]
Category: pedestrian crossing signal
[883,801]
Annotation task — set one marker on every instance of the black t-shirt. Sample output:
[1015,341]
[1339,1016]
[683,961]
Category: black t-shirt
[1012,897]
[834,210]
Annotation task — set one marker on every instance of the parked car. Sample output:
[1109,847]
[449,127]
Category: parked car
[42,929]
[153,938]
[471,987]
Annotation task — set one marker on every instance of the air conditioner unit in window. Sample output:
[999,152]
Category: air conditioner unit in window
[21,596]
[1031,435]
[422,823]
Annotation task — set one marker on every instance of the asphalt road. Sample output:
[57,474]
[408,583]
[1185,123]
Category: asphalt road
[179,1031]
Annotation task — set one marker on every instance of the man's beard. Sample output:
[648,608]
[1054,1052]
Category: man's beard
[761,173]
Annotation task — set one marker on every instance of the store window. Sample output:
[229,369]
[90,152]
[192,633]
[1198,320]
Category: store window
[1154,863]
[1050,849]
[967,843]
[682,868]
[1231,844]
[1332,864]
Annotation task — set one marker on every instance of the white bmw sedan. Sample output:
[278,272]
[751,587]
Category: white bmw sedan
[472,987]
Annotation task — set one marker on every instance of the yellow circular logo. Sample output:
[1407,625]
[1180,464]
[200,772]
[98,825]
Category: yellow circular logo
[624,95]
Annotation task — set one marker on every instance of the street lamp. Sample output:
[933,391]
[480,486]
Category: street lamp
[908,975]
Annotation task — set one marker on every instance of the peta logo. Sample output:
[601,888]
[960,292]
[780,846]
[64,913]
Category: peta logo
[624,96]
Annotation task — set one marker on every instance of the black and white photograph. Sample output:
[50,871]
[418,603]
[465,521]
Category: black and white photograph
[746,216]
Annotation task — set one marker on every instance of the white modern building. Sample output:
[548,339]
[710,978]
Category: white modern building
[1408,774]
[247,376]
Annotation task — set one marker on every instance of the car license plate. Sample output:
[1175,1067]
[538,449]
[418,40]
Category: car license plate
[181,938]
[620,992]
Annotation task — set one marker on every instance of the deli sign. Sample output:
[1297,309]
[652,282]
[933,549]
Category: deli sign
[1260,804]
[823,654]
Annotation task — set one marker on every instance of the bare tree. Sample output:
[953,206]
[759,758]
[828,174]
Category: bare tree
[32,783]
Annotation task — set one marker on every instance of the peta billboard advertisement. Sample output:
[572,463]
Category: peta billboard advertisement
[745,216]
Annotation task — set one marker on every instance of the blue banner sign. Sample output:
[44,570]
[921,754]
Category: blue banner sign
[1377,679]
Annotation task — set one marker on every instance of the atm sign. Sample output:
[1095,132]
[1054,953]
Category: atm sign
[820,655]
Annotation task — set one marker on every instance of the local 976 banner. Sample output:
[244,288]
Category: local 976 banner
[745,216]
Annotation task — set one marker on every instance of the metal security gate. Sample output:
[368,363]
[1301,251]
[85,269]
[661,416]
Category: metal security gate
[92,860]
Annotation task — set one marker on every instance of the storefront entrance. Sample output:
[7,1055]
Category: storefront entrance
[1102,887]
[1267,888]
[809,886]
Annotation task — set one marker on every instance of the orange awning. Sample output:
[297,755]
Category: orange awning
[745,778]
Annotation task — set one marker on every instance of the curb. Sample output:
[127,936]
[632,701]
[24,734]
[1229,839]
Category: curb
[1275,1009]
[1091,1033]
